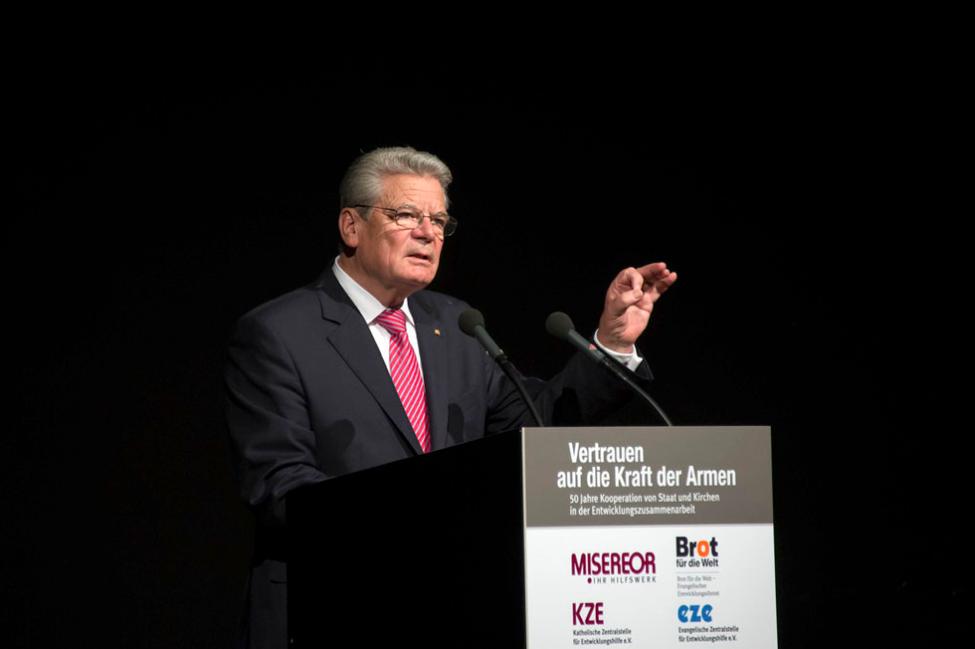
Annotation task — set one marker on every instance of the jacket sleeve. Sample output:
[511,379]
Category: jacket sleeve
[272,443]
[583,393]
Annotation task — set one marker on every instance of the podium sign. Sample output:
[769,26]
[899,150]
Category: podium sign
[648,537]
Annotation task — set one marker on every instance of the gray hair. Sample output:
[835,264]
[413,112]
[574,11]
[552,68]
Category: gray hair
[362,183]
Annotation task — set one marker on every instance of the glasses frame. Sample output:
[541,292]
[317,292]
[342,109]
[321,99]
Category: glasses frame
[394,215]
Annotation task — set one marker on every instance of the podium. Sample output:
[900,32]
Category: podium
[547,537]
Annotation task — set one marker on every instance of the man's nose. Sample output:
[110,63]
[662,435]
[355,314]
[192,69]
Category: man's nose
[425,228]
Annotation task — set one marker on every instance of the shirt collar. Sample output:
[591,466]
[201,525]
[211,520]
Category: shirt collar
[364,301]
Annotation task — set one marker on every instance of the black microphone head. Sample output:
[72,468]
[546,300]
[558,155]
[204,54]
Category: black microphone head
[559,325]
[470,320]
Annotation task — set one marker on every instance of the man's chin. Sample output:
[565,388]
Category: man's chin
[421,274]
[418,281]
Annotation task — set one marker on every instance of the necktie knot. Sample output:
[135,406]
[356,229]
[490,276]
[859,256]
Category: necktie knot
[393,321]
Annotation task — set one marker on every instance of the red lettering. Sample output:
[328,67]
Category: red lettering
[616,563]
[577,614]
[579,565]
[593,613]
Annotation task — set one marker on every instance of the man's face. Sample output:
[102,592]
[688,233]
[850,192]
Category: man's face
[393,259]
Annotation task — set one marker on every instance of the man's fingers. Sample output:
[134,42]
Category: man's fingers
[654,271]
[630,278]
[626,299]
[657,288]
[657,275]
[641,286]
[665,281]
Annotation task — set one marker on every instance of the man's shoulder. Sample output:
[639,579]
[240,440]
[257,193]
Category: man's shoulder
[297,307]
[286,310]
[438,303]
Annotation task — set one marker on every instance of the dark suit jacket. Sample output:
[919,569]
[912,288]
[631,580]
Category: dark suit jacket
[309,397]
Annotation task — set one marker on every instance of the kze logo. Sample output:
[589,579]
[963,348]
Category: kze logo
[587,613]
[695,613]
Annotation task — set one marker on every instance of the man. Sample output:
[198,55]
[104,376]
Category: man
[364,367]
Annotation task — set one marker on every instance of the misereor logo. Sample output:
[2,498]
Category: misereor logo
[615,567]
[697,554]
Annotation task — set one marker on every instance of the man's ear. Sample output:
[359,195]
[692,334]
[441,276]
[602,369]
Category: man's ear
[349,227]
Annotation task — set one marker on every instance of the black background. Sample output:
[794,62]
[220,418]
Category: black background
[800,198]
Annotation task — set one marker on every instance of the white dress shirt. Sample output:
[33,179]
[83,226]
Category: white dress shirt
[371,308]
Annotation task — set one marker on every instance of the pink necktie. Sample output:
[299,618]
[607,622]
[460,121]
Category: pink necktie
[406,375]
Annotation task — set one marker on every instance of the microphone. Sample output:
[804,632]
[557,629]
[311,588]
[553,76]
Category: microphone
[471,322]
[560,325]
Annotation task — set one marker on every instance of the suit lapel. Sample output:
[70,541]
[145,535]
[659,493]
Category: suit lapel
[430,333]
[353,341]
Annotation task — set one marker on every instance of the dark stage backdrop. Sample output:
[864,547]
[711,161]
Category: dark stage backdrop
[154,204]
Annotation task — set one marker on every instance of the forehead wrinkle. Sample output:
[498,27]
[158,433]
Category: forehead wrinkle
[410,195]
[406,203]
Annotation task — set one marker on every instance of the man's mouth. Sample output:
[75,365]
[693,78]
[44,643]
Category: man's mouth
[420,255]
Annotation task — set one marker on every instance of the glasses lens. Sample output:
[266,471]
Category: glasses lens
[443,224]
[407,219]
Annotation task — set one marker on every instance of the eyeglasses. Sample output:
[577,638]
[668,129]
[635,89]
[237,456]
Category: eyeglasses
[408,218]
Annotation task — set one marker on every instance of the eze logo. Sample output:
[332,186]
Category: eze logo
[695,613]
